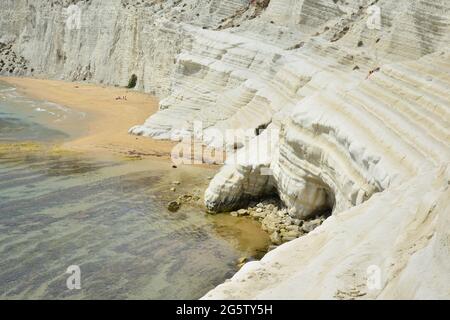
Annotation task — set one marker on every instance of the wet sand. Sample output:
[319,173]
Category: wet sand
[108,119]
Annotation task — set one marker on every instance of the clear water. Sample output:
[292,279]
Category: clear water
[107,216]
[25,119]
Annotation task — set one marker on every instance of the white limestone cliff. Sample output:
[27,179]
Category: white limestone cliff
[112,40]
[356,118]
[402,232]
[378,151]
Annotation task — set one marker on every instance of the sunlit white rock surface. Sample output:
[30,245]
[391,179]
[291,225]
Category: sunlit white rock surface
[361,117]
[402,232]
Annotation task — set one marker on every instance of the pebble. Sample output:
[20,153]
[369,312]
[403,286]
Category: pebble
[275,238]
[287,220]
[292,228]
[309,226]
[185,198]
[176,182]
[281,224]
[242,260]
[292,233]
[289,238]
[242,212]
[260,215]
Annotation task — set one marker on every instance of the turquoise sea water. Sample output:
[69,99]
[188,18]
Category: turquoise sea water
[107,216]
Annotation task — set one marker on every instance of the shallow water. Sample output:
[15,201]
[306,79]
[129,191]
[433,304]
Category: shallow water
[23,119]
[107,216]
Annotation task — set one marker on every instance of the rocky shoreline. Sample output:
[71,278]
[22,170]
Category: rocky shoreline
[273,216]
[278,223]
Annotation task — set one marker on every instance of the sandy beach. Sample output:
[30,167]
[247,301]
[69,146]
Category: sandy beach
[108,119]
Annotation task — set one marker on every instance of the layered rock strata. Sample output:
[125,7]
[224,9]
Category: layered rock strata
[340,105]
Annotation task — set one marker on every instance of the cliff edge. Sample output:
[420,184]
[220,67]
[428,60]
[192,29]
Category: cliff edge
[350,98]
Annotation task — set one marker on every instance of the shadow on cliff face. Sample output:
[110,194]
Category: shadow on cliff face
[132,82]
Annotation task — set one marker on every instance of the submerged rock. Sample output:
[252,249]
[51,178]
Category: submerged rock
[173,206]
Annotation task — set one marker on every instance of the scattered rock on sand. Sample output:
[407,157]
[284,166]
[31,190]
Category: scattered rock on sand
[242,212]
[278,221]
[242,260]
[309,226]
[275,238]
